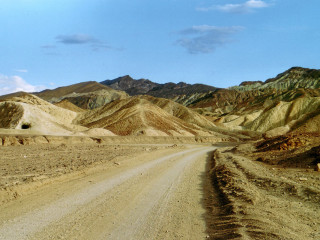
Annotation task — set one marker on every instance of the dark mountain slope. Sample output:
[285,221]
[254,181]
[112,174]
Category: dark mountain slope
[146,87]
[130,86]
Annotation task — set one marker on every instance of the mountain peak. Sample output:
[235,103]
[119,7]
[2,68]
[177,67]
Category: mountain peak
[146,87]
[125,77]
[130,85]
[248,83]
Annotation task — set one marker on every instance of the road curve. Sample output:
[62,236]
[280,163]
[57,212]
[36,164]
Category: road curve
[158,199]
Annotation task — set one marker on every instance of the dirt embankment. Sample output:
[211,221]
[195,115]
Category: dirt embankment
[16,140]
[255,200]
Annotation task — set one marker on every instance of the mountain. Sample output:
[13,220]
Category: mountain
[84,87]
[138,115]
[130,86]
[293,78]
[146,87]
[172,90]
[147,115]
[289,102]
[86,95]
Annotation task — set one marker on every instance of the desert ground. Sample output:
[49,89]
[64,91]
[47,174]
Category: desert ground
[152,188]
[103,191]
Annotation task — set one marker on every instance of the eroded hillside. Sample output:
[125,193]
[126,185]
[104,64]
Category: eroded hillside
[288,102]
[86,95]
[140,115]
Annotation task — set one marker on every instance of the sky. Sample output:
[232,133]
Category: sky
[53,43]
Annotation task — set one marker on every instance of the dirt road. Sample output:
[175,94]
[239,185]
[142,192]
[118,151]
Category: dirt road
[156,195]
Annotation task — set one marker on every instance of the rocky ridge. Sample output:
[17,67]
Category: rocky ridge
[288,102]
[86,95]
[146,87]
[293,78]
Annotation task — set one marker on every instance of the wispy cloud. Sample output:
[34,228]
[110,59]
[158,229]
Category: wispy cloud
[21,70]
[11,84]
[245,7]
[50,50]
[206,38]
[48,46]
[76,39]
[100,46]
[83,39]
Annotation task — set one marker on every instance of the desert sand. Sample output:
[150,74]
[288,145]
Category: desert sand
[150,188]
[124,192]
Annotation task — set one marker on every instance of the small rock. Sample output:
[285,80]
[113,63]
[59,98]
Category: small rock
[318,167]
[116,163]
[303,179]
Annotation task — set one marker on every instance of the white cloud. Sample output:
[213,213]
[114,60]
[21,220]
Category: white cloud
[245,7]
[206,38]
[11,84]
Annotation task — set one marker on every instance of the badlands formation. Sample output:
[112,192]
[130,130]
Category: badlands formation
[141,115]
[175,161]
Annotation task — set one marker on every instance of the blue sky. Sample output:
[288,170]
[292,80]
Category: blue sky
[52,43]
